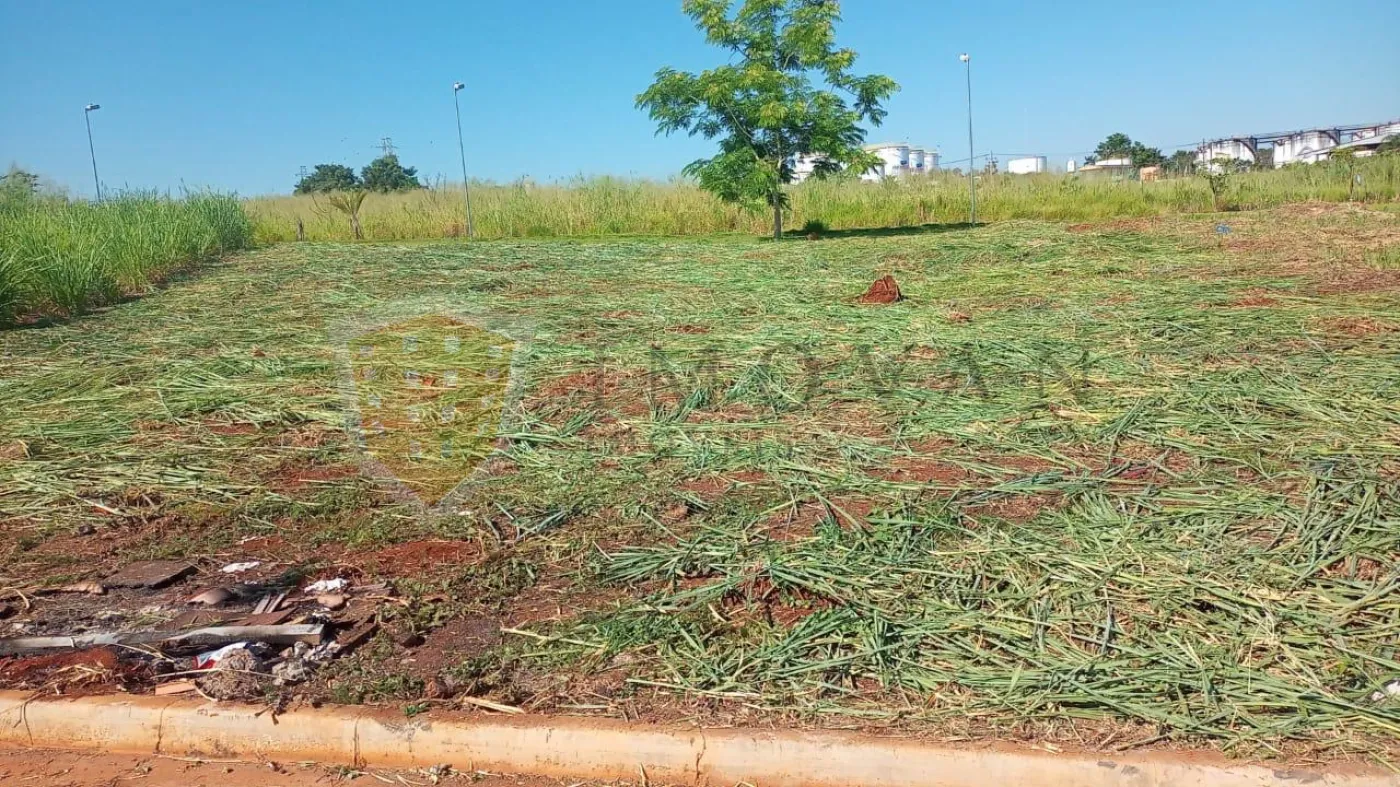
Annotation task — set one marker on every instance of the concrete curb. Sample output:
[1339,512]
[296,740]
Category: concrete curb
[597,749]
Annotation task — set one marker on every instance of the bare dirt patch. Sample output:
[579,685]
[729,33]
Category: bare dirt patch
[1255,298]
[1358,281]
[1357,327]
[418,558]
[299,476]
[799,522]
[1016,508]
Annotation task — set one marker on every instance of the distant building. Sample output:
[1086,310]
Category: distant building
[803,166]
[897,160]
[1304,146]
[1028,165]
[1234,148]
[1366,146]
[1149,174]
[1108,169]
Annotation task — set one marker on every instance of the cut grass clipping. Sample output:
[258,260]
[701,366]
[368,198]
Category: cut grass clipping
[1102,485]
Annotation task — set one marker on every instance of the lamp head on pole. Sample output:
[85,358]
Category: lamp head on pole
[457,86]
[91,107]
[965,57]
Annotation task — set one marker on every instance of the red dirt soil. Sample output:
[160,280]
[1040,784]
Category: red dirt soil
[418,558]
[1357,327]
[884,290]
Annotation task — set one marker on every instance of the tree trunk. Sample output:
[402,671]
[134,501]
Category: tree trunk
[777,217]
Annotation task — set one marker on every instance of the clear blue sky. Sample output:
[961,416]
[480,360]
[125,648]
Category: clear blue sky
[237,96]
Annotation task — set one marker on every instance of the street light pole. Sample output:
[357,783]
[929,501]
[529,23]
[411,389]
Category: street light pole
[461,151]
[971,155]
[87,118]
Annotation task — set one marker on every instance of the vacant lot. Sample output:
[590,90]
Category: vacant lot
[1099,486]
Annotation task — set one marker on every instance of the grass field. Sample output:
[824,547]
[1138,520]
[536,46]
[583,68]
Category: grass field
[1102,486]
[611,206]
[62,257]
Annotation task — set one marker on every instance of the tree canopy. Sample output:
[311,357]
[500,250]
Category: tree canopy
[787,91]
[1182,162]
[383,174]
[1120,145]
[387,174]
[18,184]
[328,177]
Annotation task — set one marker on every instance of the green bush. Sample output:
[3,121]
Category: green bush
[61,257]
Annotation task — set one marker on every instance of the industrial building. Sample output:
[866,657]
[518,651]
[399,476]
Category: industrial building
[900,160]
[1305,146]
[897,160]
[1028,165]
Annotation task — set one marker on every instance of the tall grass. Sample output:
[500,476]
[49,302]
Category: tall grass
[606,206]
[59,256]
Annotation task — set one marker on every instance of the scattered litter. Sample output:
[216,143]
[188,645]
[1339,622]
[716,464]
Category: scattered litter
[200,618]
[213,598]
[266,618]
[437,773]
[884,290]
[270,603]
[209,659]
[85,529]
[326,586]
[91,588]
[236,674]
[175,687]
[489,705]
[302,660]
[331,601]
[150,574]
[1387,693]
[357,635]
[239,568]
[205,637]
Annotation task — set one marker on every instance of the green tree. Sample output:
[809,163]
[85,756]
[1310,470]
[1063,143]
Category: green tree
[1117,145]
[1120,145]
[328,177]
[1182,162]
[387,174]
[1390,147]
[1143,156]
[763,105]
[18,184]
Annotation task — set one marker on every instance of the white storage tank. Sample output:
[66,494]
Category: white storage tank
[1027,165]
[916,160]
